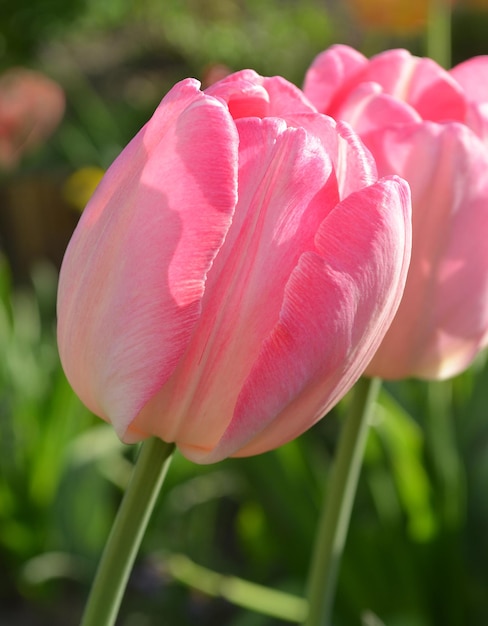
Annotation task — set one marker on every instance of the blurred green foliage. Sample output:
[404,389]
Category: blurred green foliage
[25,24]
[269,35]
[117,59]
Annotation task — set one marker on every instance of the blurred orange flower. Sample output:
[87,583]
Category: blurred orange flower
[31,107]
[394,16]
[477,5]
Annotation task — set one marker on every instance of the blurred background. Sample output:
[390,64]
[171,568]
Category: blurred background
[77,80]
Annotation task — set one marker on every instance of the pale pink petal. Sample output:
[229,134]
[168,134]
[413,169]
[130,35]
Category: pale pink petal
[287,188]
[353,163]
[285,98]
[472,76]
[243,92]
[338,303]
[420,82]
[331,75]
[368,108]
[355,166]
[477,120]
[248,94]
[134,274]
[443,319]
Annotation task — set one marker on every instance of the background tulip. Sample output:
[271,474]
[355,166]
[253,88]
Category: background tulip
[428,126]
[31,107]
[233,273]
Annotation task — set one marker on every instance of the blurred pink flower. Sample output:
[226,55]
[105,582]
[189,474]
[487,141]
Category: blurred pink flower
[430,127]
[31,107]
[233,273]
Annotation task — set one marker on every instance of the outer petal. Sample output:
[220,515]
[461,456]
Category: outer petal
[287,189]
[331,75]
[421,83]
[134,273]
[472,76]
[353,163]
[443,319]
[355,166]
[248,94]
[368,108]
[337,306]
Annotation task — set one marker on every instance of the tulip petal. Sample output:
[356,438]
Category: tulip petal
[288,189]
[472,75]
[337,306]
[355,166]
[138,261]
[248,94]
[353,163]
[422,83]
[330,75]
[435,334]
[368,108]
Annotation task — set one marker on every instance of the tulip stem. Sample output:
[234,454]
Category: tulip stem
[439,32]
[334,520]
[127,532]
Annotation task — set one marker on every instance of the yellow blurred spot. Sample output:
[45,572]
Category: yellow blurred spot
[79,187]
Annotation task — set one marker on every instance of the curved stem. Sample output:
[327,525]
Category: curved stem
[243,593]
[127,533]
[334,521]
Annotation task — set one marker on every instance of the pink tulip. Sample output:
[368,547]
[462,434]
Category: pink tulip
[429,126]
[233,273]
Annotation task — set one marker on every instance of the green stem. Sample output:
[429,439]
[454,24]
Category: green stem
[127,533]
[444,454]
[334,521]
[438,42]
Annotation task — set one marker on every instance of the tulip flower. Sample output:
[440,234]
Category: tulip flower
[234,271]
[429,126]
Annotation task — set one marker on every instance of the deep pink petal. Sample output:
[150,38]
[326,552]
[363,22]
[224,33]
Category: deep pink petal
[338,303]
[443,319]
[134,274]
